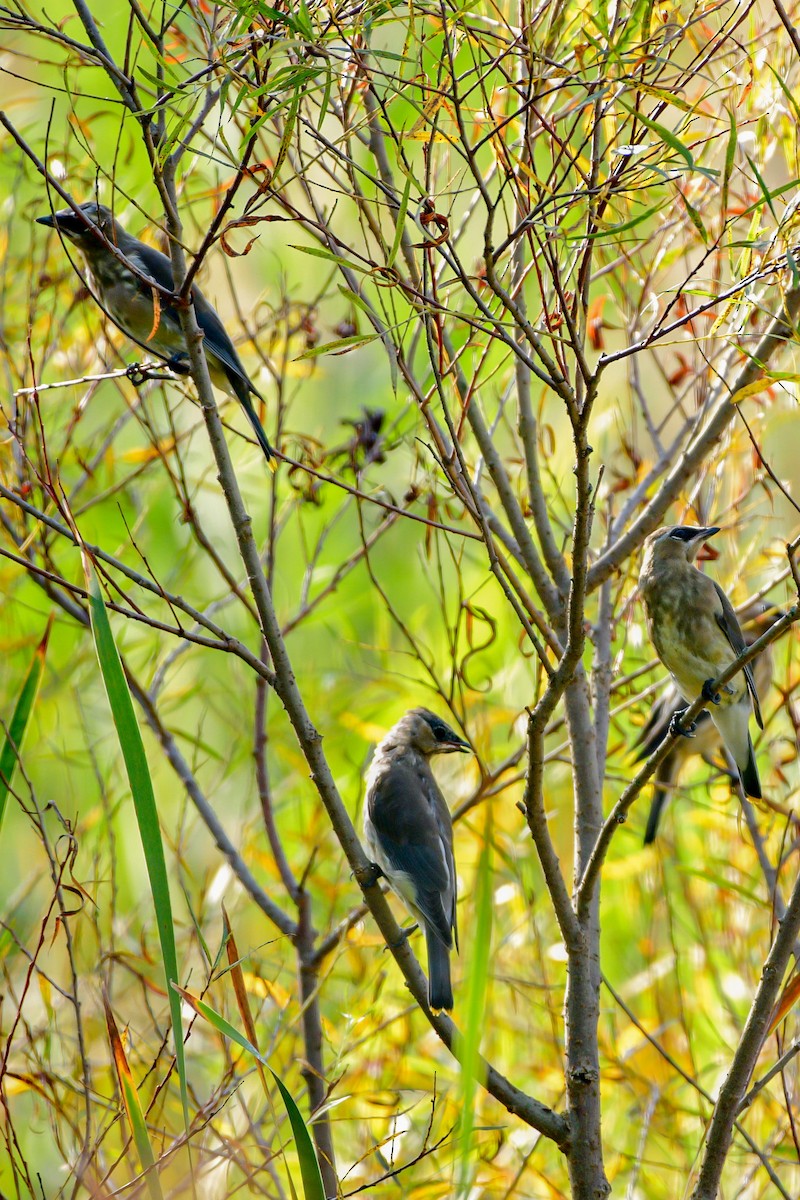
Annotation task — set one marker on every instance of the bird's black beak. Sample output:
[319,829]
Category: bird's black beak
[456,744]
[66,222]
[698,550]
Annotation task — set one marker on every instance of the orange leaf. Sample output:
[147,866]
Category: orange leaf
[594,321]
[790,996]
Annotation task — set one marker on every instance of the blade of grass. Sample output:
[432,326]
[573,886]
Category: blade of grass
[476,1005]
[240,992]
[313,1188]
[15,734]
[130,740]
[133,1107]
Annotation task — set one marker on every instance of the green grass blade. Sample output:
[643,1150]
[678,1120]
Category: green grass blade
[130,740]
[133,1107]
[400,224]
[469,1047]
[313,1188]
[12,744]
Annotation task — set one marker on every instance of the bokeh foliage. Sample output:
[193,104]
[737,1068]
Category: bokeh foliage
[420,182]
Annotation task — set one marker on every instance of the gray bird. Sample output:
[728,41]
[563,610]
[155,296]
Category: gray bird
[696,635]
[707,741]
[154,325]
[409,833]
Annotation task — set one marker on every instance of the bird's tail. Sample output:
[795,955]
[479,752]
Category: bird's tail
[663,783]
[440,988]
[749,774]
[233,381]
[258,428]
[732,721]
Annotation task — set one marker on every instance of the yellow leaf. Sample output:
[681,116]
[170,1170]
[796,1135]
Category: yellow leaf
[750,389]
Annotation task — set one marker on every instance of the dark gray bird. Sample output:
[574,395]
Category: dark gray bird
[153,324]
[409,833]
[696,635]
[707,741]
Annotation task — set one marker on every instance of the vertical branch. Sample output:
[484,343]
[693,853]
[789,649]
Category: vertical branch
[732,1092]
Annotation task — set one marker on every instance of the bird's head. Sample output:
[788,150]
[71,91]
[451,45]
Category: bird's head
[423,731]
[80,228]
[676,543]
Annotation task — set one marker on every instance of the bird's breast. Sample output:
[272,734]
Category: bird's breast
[681,617]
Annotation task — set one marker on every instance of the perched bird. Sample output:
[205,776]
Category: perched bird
[707,741]
[409,833]
[143,313]
[696,635]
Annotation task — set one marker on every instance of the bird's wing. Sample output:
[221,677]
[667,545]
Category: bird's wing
[215,337]
[217,341]
[401,806]
[149,261]
[726,619]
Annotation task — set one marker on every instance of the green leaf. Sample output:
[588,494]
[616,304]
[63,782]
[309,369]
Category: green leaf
[787,93]
[340,346]
[329,256]
[303,20]
[469,1046]
[730,155]
[15,735]
[326,95]
[694,217]
[130,740]
[306,1156]
[357,300]
[765,192]
[670,139]
[792,262]
[133,1106]
[400,223]
[288,131]
[612,230]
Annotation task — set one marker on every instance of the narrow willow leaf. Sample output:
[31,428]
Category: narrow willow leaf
[130,740]
[792,264]
[672,140]
[15,735]
[240,992]
[750,389]
[791,994]
[313,1188]
[469,1046]
[340,346]
[133,1107]
[694,217]
[329,256]
[730,155]
[288,131]
[765,192]
[400,223]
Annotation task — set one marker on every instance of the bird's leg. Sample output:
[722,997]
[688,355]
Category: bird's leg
[179,363]
[405,934]
[677,729]
[140,375]
[708,693]
[369,875]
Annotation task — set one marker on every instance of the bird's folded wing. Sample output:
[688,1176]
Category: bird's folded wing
[402,814]
[726,619]
[215,338]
